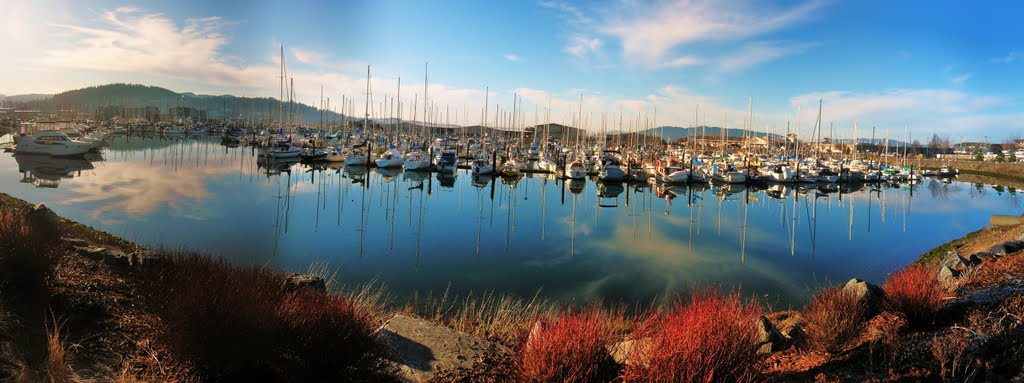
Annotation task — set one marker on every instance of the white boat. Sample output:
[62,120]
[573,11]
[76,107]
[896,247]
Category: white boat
[359,157]
[334,155]
[174,130]
[284,150]
[510,168]
[448,162]
[53,143]
[390,159]
[576,170]
[416,160]
[780,174]
[611,170]
[481,166]
[547,165]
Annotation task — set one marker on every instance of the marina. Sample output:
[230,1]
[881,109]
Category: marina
[564,235]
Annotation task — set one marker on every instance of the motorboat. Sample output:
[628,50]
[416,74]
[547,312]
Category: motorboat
[611,169]
[510,168]
[481,166]
[390,159]
[576,170]
[416,160]
[53,143]
[448,162]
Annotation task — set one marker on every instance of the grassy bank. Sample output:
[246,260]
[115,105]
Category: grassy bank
[79,305]
[1001,170]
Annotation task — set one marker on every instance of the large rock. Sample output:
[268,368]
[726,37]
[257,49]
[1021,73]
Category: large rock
[295,282]
[42,218]
[982,298]
[116,260]
[1006,248]
[422,349]
[952,259]
[948,276]
[868,294]
[969,261]
[769,339]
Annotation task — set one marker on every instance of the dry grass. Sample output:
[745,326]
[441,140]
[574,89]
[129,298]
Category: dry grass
[237,323]
[915,294]
[506,319]
[711,339]
[834,318]
[571,348]
[953,357]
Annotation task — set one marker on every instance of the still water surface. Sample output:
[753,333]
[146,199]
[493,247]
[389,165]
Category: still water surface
[571,241]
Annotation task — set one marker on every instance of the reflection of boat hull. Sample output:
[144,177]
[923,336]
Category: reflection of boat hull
[576,185]
[47,171]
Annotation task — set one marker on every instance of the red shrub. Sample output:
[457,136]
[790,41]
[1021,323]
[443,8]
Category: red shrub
[713,339]
[915,294]
[571,348]
[236,324]
[834,317]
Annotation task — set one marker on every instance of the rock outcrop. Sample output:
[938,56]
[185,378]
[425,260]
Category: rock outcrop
[423,349]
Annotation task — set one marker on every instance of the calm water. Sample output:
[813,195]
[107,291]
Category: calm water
[572,241]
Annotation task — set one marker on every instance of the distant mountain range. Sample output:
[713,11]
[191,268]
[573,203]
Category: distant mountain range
[673,133]
[132,95]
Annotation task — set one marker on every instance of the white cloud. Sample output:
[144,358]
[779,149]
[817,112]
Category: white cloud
[961,79]
[753,54]
[663,33]
[513,57]
[309,56]
[683,61]
[137,45]
[1009,58]
[923,110]
[582,46]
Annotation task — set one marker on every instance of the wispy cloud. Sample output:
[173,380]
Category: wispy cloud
[309,56]
[926,110]
[961,79]
[138,44]
[583,46]
[513,57]
[663,33]
[1009,58]
[757,53]
[650,31]
[683,61]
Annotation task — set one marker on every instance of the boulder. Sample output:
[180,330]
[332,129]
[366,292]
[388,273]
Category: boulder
[769,339]
[41,217]
[421,349]
[870,295]
[623,351]
[948,276]
[296,282]
[970,261]
[983,298]
[1006,248]
[116,260]
[952,259]
[73,243]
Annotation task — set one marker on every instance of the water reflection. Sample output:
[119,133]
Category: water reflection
[576,239]
[46,172]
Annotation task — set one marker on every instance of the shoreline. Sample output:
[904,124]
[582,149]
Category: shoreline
[118,259]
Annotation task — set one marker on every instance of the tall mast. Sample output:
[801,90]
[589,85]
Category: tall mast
[366,115]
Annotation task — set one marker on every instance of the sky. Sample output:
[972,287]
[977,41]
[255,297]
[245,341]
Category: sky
[906,68]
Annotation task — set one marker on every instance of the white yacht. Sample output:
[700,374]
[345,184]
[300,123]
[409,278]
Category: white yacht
[53,143]
[482,166]
[576,170]
[390,159]
[416,160]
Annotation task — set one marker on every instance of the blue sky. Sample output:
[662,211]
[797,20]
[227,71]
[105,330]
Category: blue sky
[935,67]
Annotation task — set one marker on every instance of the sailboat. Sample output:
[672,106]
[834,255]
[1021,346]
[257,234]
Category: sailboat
[360,155]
